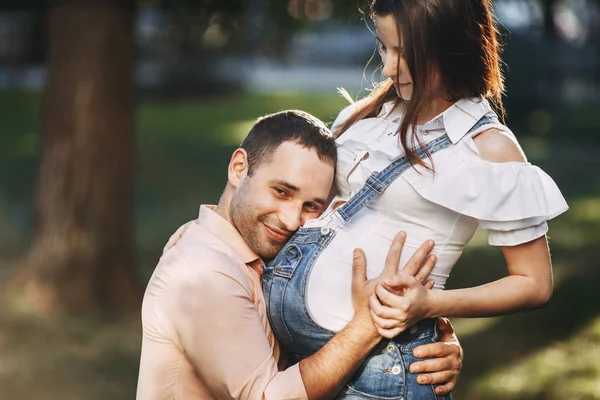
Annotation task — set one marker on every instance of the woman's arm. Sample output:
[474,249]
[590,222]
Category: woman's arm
[529,281]
[527,286]
[402,301]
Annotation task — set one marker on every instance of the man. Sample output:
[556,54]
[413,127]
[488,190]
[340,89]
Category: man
[206,334]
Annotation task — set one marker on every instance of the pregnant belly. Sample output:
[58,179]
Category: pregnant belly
[329,295]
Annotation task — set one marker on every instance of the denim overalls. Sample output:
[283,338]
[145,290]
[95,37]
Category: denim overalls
[384,373]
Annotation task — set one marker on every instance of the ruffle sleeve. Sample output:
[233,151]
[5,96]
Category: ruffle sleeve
[511,200]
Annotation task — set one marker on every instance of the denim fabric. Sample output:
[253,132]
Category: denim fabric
[384,374]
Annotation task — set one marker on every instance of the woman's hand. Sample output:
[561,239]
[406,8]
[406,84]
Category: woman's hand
[398,303]
[418,268]
[401,301]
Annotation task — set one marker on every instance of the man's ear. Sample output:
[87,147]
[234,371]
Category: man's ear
[238,167]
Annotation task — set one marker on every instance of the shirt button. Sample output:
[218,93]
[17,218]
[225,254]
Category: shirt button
[396,369]
[437,122]
[325,231]
[390,348]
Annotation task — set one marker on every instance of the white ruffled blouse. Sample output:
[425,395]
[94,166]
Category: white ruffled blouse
[511,201]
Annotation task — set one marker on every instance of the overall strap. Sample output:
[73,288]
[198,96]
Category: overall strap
[489,120]
[379,181]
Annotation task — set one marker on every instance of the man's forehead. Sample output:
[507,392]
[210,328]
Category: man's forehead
[295,166]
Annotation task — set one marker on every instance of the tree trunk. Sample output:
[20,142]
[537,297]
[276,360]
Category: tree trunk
[548,14]
[81,255]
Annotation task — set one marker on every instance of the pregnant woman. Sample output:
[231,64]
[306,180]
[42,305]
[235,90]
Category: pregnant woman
[424,153]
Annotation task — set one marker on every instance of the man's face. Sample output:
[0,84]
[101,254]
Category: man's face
[280,195]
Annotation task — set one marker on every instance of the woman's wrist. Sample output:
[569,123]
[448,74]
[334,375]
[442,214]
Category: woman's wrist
[433,303]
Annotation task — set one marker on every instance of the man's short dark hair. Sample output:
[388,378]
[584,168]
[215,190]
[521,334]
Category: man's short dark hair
[291,125]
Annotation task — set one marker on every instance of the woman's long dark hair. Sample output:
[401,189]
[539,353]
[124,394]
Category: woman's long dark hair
[457,39]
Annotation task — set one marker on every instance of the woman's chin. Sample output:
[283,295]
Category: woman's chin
[405,94]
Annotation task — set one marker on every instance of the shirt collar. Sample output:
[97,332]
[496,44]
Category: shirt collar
[457,120]
[221,228]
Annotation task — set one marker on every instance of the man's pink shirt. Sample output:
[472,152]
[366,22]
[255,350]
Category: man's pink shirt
[205,330]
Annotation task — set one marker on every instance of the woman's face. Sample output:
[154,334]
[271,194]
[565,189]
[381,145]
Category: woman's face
[394,63]
[392,57]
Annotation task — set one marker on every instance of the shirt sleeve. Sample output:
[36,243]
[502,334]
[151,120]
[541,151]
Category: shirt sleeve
[512,201]
[517,236]
[222,334]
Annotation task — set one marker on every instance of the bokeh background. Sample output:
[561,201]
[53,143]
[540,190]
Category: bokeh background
[117,120]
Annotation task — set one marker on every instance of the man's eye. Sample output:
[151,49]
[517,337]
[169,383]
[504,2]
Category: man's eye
[279,191]
[312,207]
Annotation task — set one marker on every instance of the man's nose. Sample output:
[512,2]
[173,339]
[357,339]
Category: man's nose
[291,217]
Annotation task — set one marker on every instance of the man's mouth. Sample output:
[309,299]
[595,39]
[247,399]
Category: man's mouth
[277,234]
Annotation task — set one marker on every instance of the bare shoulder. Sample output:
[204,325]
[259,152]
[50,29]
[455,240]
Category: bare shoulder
[497,146]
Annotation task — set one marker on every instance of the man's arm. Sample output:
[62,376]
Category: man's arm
[325,372]
[222,334]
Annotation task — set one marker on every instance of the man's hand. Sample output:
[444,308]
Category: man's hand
[444,368]
[363,288]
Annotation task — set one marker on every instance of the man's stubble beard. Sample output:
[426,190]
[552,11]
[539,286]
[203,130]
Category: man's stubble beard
[245,219]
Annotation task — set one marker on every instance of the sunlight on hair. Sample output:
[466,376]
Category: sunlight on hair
[344,93]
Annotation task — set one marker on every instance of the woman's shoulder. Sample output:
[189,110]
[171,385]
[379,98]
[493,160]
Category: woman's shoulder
[490,181]
[498,146]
